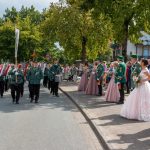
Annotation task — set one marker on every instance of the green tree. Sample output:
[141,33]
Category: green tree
[11,14]
[7,40]
[128,17]
[76,31]
[30,39]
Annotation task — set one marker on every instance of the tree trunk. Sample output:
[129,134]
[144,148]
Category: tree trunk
[125,42]
[83,54]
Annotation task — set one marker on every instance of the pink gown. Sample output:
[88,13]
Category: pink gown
[92,87]
[137,104]
[84,81]
[112,92]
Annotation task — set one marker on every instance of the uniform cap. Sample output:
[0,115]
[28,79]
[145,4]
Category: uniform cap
[120,58]
[134,56]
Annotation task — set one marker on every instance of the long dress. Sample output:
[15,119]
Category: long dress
[92,87]
[137,105]
[84,81]
[112,92]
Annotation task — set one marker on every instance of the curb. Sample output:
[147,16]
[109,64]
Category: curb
[99,136]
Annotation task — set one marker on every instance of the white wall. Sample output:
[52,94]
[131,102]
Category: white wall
[131,48]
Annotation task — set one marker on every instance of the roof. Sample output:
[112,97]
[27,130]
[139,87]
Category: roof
[145,38]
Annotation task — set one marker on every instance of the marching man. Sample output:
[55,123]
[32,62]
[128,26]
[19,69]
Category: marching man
[16,82]
[34,77]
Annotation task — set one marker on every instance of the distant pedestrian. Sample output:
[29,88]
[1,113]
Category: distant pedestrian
[84,79]
[45,81]
[56,70]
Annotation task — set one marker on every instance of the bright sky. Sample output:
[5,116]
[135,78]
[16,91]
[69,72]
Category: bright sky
[38,4]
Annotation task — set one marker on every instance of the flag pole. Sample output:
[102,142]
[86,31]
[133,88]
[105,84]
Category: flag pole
[16,44]
[16,47]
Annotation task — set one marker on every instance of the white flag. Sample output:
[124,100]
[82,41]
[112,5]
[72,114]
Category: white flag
[16,41]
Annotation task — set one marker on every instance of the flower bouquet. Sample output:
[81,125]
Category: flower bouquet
[137,80]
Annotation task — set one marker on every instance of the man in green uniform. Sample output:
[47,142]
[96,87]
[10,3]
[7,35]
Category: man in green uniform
[16,81]
[120,77]
[56,70]
[34,77]
[51,78]
[135,69]
[46,71]
[99,77]
[27,75]
[22,84]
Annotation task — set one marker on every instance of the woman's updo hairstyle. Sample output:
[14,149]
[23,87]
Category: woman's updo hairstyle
[145,62]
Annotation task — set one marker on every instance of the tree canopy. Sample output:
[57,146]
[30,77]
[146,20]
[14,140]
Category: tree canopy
[84,29]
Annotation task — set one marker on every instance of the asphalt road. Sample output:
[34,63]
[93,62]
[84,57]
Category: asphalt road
[53,124]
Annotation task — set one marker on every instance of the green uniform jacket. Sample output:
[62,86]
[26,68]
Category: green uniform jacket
[51,75]
[135,69]
[34,75]
[99,72]
[16,76]
[2,78]
[56,69]
[120,74]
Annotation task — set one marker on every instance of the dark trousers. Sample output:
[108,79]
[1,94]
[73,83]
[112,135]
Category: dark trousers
[45,81]
[29,90]
[15,92]
[121,90]
[56,85]
[22,89]
[100,88]
[34,91]
[2,83]
[51,86]
[6,85]
[128,86]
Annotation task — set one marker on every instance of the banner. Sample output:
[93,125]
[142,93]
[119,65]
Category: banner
[16,41]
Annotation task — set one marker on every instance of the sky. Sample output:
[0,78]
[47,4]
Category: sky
[38,4]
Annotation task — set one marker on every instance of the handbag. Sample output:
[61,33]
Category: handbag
[58,78]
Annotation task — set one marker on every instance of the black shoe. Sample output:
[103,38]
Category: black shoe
[31,100]
[57,95]
[119,103]
[17,102]
[13,101]
[36,102]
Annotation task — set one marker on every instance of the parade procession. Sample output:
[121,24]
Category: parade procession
[111,80]
[75,75]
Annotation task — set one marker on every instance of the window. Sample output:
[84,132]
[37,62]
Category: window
[146,52]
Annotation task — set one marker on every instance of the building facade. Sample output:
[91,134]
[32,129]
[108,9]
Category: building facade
[142,49]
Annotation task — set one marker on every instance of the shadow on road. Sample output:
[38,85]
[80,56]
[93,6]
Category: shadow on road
[115,120]
[140,140]
[46,100]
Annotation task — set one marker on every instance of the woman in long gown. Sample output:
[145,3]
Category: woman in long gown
[84,79]
[92,87]
[112,92]
[137,105]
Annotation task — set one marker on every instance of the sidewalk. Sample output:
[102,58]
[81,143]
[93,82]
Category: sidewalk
[118,133]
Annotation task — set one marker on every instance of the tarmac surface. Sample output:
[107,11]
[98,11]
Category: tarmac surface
[53,124]
[117,132]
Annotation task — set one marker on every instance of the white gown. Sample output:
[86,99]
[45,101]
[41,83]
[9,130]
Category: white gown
[137,104]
